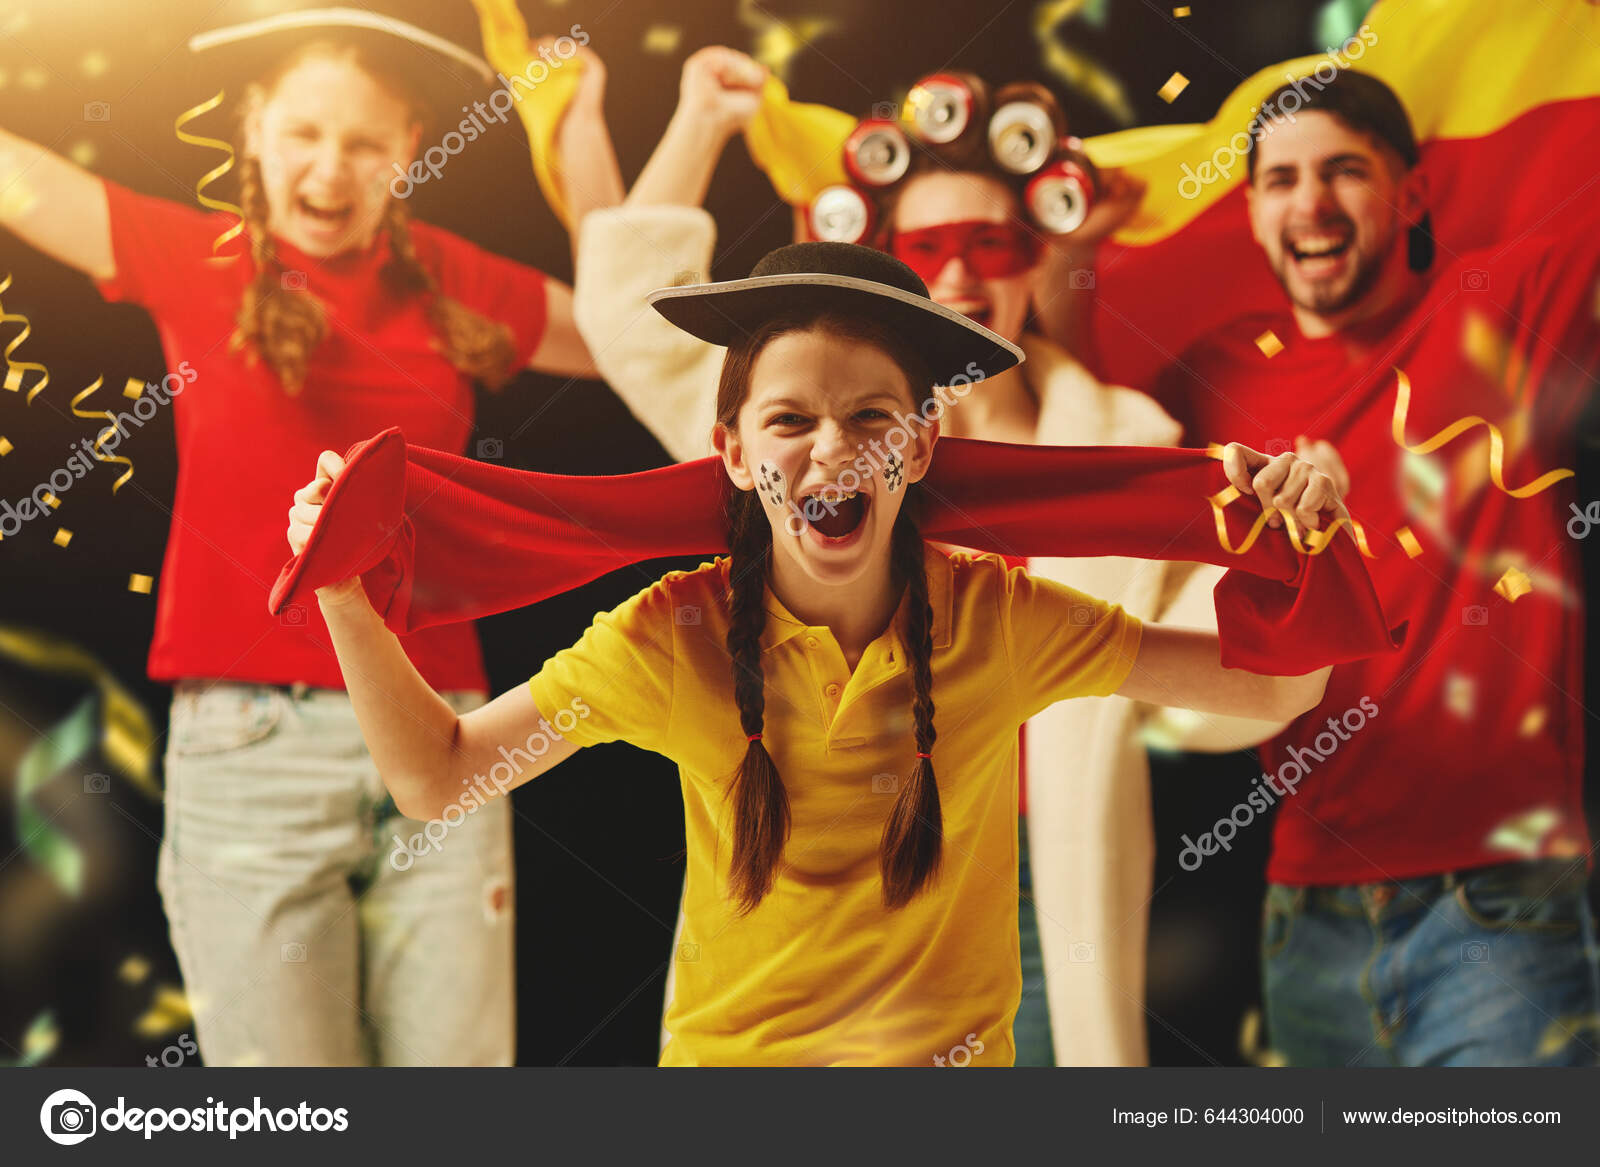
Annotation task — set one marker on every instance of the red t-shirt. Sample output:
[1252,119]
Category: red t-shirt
[1475,753]
[245,446]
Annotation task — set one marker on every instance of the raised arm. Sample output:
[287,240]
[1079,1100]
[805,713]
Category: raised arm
[55,206]
[424,750]
[1065,297]
[658,237]
[1183,666]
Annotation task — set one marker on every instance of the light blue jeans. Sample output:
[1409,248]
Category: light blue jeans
[306,934]
[1494,966]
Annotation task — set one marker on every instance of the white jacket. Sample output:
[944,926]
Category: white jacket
[1090,836]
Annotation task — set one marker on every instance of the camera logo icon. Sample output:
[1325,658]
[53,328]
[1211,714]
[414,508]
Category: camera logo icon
[96,783]
[294,615]
[97,111]
[292,953]
[294,281]
[1474,280]
[686,614]
[1475,615]
[887,110]
[688,951]
[1081,279]
[67,1117]
[1083,615]
[1275,447]
[491,449]
[686,279]
[1475,952]
[885,783]
[1081,952]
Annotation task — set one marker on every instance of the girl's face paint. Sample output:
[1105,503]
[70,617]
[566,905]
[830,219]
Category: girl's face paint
[894,472]
[328,137]
[959,231]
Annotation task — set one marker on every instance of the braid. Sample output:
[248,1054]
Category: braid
[281,329]
[481,348]
[761,805]
[914,835]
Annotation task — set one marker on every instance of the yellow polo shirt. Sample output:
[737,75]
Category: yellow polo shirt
[820,973]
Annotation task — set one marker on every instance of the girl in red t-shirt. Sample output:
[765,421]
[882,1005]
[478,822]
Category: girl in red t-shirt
[305,935]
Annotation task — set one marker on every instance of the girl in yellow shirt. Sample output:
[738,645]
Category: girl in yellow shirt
[843,905]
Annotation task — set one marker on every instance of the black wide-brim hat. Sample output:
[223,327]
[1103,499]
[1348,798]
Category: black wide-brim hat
[443,75]
[845,277]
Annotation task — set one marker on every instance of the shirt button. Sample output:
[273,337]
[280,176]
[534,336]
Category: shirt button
[812,642]
[833,690]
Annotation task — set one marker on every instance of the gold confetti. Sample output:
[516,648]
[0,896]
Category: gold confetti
[214,173]
[1533,721]
[51,500]
[662,38]
[168,1013]
[5,446]
[133,389]
[1180,13]
[15,368]
[104,435]
[1460,695]
[63,537]
[83,153]
[140,583]
[1497,445]
[1563,1031]
[94,63]
[1074,68]
[1269,344]
[1525,833]
[1513,585]
[779,41]
[33,78]
[1175,85]
[1408,542]
[134,969]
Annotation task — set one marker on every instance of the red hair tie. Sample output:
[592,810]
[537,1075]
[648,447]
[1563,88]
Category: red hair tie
[920,754]
[755,737]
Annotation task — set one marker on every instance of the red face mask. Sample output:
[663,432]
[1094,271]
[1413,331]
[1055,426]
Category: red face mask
[991,251]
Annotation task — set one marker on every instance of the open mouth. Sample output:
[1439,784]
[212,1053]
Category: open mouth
[837,515]
[325,213]
[1321,252]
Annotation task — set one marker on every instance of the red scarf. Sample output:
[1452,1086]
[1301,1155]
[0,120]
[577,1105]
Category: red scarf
[437,537]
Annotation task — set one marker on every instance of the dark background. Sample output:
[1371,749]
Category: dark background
[598,841]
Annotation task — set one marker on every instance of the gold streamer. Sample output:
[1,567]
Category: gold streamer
[104,434]
[213,174]
[15,368]
[1077,70]
[1315,542]
[1497,445]
[126,736]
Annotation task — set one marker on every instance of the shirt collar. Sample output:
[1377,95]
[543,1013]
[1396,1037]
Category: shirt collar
[782,626]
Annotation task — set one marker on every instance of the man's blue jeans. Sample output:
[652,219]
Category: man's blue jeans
[1495,966]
